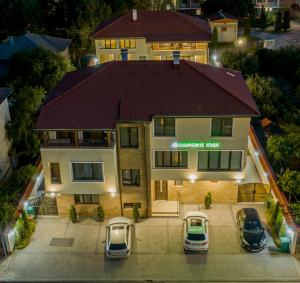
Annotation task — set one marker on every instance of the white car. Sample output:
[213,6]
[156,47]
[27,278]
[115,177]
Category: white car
[195,231]
[118,237]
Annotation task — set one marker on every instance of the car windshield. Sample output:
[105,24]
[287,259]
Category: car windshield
[196,237]
[253,226]
[117,247]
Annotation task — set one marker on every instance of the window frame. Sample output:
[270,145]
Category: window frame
[129,135]
[164,127]
[129,205]
[87,181]
[171,167]
[131,178]
[51,177]
[90,202]
[221,125]
[219,161]
[130,45]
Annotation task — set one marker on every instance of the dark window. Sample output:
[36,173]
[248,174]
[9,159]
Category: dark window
[170,159]
[87,171]
[55,173]
[130,205]
[221,127]
[224,29]
[164,127]
[86,199]
[131,177]
[129,137]
[95,137]
[219,160]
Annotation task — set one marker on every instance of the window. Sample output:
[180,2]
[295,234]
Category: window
[108,44]
[55,173]
[127,43]
[142,58]
[221,127]
[86,199]
[129,137]
[97,138]
[131,177]
[170,159]
[223,28]
[87,171]
[130,205]
[164,126]
[219,160]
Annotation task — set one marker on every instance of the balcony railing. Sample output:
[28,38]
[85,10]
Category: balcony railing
[177,46]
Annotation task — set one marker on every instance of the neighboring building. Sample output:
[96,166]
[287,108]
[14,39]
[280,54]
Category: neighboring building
[5,163]
[154,133]
[273,5]
[29,41]
[226,25]
[152,35]
[192,7]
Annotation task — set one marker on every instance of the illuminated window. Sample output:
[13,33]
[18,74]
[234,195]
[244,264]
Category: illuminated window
[128,43]
[108,44]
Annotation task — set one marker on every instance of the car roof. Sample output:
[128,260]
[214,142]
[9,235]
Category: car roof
[117,234]
[250,213]
[195,214]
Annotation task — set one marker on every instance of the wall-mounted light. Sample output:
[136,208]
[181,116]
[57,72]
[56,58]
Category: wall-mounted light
[238,181]
[256,153]
[192,178]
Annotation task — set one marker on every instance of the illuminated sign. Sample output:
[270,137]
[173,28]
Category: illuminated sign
[196,144]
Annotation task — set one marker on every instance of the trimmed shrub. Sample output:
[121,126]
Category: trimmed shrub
[135,213]
[208,200]
[100,213]
[73,214]
[269,203]
[24,228]
[279,221]
[274,213]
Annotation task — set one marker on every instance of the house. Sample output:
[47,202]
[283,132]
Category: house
[152,35]
[225,24]
[274,5]
[151,133]
[5,163]
[28,41]
[191,7]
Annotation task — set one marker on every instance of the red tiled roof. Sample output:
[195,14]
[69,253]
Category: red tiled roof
[156,26]
[99,97]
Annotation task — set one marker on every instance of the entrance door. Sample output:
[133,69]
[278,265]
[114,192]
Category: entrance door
[161,190]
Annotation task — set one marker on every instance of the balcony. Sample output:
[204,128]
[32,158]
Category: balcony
[267,4]
[182,46]
[78,139]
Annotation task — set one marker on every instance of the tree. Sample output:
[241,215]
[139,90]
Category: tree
[241,61]
[289,182]
[286,20]
[214,38]
[278,150]
[247,28]
[263,19]
[278,22]
[154,5]
[266,94]
[20,129]
[7,210]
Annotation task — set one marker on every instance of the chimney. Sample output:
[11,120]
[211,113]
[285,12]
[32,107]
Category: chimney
[10,40]
[176,58]
[124,54]
[134,15]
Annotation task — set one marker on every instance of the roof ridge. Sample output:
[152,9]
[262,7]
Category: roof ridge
[109,25]
[220,86]
[79,83]
[185,17]
[44,37]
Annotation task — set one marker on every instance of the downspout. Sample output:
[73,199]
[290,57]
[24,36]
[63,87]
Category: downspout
[146,169]
[118,168]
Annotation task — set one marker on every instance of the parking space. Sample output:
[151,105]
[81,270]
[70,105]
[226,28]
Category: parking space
[157,253]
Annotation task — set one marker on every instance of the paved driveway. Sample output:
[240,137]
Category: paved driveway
[157,254]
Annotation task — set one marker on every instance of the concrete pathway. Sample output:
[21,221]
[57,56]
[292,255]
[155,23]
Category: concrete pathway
[157,254]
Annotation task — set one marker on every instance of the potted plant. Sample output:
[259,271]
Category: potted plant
[135,213]
[100,213]
[73,214]
[208,200]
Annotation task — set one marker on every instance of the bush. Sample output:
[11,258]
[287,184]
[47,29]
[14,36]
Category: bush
[269,203]
[135,213]
[279,221]
[275,213]
[208,200]
[100,213]
[73,214]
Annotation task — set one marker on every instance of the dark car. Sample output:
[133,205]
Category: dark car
[252,233]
